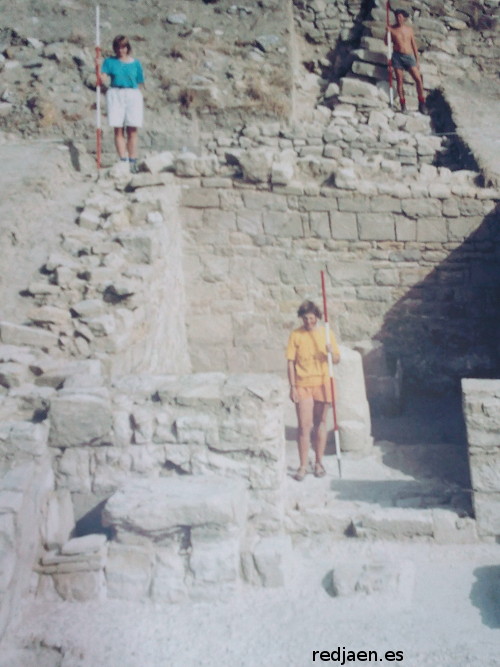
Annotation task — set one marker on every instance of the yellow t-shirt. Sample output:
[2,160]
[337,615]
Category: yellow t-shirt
[307,349]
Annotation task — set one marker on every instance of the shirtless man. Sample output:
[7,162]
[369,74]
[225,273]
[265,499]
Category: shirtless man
[405,57]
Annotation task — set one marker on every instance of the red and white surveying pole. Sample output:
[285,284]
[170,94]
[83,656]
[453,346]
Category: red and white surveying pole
[98,130]
[330,373]
[389,54]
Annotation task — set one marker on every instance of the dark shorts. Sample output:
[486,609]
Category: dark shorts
[403,60]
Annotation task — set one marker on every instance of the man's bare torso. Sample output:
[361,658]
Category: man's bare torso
[402,38]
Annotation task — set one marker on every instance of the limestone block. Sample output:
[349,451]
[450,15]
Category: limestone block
[214,562]
[250,222]
[7,549]
[157,162]
[169,578]
[53,562]
[256,165]
[451,529]
[83,545]
[17,334]
[24,437]
[102,325]
[81,586]
[73,470]
[485,471]
[432,229]
[395,523]
[129,571]
[487,511]
[376,577]
[319,222]
[197,390]
[272,557]
[89,219]
[156,507]
[344,226]
[283,224]
[367,69]
[415,208]
[59,519]
[376,227]
[13,374]
[283,168]
[89,308]
[352,404]
[78,419]
[357,88]
[141,424]
[346,178]
[200,198]
[198,429]
[140,248]
[354,436]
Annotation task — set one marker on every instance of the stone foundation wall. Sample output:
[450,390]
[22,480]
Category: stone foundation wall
[114,290]
[26,482]
[481,404]
[412,263]
[154,426]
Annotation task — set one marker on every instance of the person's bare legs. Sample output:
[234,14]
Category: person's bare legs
[305,410]
[399,82]
[132,141]
[120,144]
[417,77]
[319,436]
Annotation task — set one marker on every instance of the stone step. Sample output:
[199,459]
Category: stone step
[375,499]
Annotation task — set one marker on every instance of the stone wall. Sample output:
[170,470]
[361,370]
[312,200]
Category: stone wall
[413,263]
[26,482]
[154,426]
[114,290]
[481,404]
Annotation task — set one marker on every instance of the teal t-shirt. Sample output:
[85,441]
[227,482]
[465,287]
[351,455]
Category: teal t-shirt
[123,75]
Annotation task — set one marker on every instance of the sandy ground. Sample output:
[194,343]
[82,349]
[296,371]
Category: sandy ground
[447,616]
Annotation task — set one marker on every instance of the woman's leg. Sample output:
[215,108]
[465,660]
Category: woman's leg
[304,410]
[132,141]
[320,411]
[120,143]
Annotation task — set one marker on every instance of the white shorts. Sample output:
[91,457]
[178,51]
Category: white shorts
[125,107]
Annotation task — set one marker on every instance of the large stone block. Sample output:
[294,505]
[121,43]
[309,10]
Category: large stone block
[169,577]
[487,511]
[376,227]
[17,334]
[416,208]
[214,562]
[269,562]
[129,571]
[156,508]
[344,226]
[79,419]
[377,577]
[81,586]
[485,471]
[59,519]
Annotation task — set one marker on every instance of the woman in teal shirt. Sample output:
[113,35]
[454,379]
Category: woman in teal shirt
[124,99]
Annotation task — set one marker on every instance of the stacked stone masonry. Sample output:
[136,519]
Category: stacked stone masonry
[481,404]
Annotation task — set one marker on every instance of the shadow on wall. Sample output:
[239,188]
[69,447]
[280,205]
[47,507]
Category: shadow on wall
[446,327]
[485,594]
[456,154]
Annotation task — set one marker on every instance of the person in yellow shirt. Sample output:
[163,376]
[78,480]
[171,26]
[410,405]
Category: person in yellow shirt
[309,380]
